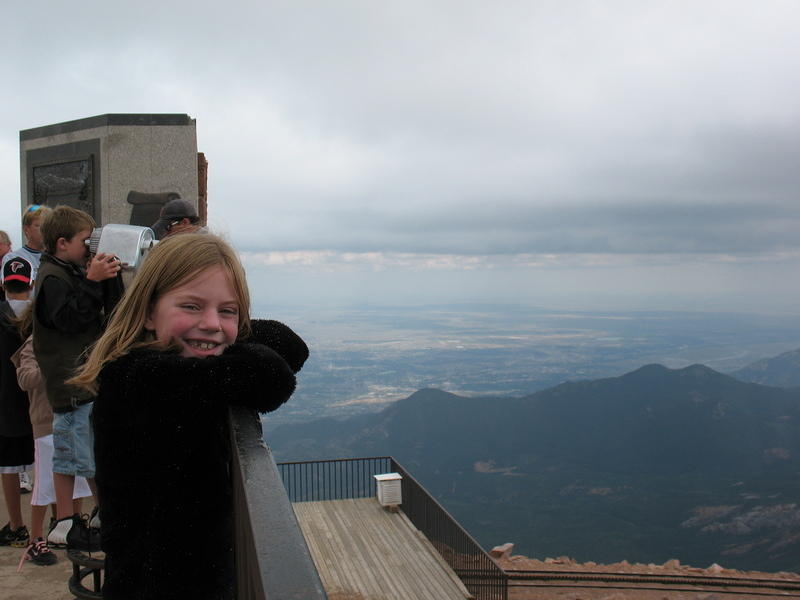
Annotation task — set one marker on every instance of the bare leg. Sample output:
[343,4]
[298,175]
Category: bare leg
[64,485]
[77,505]
[93,487]
[38,513]
[12,497]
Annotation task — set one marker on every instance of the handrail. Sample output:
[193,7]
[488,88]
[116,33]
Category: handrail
[272,557]
[353,478]
[334,479]
[479,572]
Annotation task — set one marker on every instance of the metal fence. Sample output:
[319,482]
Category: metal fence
[332,479]
[354,478]
[477,570]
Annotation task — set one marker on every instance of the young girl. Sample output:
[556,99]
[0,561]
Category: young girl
[30,380]
[178,350]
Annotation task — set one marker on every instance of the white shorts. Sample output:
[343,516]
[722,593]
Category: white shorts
[14,470]
[43,491]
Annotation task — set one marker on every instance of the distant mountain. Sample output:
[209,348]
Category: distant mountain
[652,465]
[781,371]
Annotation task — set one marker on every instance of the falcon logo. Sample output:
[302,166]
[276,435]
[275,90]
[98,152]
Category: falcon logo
[15,266]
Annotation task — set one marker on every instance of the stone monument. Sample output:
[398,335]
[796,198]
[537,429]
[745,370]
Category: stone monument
[119,168]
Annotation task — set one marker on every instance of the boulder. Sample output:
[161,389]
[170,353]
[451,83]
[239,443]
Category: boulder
[503,551]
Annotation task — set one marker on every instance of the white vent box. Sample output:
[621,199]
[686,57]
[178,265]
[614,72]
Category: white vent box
[390,491]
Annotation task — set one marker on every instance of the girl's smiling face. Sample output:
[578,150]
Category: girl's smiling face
[201,316]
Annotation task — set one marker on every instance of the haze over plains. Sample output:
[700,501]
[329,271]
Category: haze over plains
[617,154]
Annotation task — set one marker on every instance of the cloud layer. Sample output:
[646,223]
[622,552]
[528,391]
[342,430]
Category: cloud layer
[466,129]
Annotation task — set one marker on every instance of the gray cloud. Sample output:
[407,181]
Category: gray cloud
[452,127]
[612,227]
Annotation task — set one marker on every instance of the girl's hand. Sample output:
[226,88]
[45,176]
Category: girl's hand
[281,339]
[103,266]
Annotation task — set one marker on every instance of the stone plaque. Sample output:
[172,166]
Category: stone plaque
[66,182]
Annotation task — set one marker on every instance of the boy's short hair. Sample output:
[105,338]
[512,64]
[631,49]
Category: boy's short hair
[16,287]
[33,212]
[64,222]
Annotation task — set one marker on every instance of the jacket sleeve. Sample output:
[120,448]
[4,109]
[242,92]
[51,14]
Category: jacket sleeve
[250,375]
[255,376]
[68,310]
[29,376]
[282,340]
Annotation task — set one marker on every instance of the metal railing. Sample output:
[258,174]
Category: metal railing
[480,574]
[338,479]
[353,478]
[272,558]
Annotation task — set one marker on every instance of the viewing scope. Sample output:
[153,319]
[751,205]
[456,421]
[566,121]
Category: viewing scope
[129,243]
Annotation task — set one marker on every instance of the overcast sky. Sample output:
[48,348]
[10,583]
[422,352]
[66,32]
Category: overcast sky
[635,152]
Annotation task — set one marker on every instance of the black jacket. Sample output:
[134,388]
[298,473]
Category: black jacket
[67,319]
[14,418]
[162,454]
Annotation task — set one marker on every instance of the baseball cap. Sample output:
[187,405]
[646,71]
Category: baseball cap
[174,210]
[17,269]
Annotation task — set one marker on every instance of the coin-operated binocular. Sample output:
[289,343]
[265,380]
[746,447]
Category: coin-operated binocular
[129,243]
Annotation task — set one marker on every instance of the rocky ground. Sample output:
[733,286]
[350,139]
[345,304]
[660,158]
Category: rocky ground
[32,582]
[511,562]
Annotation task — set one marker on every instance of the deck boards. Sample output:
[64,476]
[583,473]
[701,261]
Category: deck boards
[362,551]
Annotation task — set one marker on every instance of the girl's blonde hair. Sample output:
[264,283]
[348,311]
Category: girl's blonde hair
[170,264]
[24,323]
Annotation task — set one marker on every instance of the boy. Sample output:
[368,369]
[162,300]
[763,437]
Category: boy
[16,437]
[31,251]
[67,319]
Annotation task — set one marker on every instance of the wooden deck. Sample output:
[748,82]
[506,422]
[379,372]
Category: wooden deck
[363,552]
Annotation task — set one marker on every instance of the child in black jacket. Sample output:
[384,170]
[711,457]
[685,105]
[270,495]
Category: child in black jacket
[177,352]
[68,314]
[16,436]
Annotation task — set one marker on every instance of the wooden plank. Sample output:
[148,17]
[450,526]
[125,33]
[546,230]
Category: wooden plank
[359,560]
[318,539]
[379,557]
[360,548]
[388,550]
[413,560]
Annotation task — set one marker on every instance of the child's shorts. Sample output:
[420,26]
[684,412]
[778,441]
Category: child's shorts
[73,442]
[43,491]
[16,453]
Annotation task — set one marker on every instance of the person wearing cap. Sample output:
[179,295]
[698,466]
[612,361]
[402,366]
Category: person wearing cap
[16,434]
[31,251]
[18,283]
[177,216]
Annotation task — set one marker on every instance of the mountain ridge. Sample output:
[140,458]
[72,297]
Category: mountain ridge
[643,456]
[782,370]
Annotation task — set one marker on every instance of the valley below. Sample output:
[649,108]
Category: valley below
[547,431]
